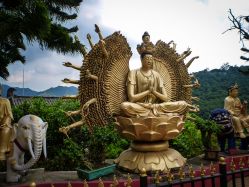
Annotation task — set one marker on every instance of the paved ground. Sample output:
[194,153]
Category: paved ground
[40,175]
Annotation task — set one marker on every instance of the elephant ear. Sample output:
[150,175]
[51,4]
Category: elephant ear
[13,133]
[45,126]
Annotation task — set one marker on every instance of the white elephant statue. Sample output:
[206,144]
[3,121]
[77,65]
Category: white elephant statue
[29,134]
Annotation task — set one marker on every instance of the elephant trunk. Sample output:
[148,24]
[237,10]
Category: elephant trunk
[37,151]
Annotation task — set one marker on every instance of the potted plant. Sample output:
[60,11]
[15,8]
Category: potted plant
[209,130]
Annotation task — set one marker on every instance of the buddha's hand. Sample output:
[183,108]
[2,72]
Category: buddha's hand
[67,64]
[151,89]
[66,80]
[68,113]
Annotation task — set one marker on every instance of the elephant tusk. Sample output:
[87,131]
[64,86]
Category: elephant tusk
[31,149]
[44,147]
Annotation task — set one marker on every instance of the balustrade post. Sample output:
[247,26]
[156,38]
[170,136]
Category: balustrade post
[223,172]
[143,178]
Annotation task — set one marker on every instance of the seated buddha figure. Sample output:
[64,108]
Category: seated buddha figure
[146,45]
[147,95]
[238,111]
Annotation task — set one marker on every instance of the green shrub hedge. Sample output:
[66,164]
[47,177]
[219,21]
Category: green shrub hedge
[83,147]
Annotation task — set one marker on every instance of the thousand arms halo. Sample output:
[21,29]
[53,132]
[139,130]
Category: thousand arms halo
[103,74]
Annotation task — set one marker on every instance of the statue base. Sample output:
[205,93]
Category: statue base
[152,156]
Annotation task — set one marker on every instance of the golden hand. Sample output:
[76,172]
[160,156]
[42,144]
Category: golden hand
[66,80]
[67,64]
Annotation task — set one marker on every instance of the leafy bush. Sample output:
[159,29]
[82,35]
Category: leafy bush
[188,143]
[68,157]
[104,142]
[113,150]
[60,150]
[198,134]
[209,129]
[83,146]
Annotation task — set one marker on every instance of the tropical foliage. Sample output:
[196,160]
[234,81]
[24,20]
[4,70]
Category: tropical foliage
[189,142]
[25,21]
[84,148]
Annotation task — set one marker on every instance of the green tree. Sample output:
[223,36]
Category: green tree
[35,20]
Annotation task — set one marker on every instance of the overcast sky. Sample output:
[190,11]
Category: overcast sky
[197,24]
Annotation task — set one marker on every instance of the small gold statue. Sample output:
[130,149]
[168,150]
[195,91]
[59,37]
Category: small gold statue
[5,126]
[129,181]
[100,184]
[147,95]
[234,106]
[85,183]
[147,45]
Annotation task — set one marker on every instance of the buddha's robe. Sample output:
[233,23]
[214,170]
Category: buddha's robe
[5,127]
[149,105]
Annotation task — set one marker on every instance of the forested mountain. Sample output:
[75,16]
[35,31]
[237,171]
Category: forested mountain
[58,91]
[213,90]
[215,84]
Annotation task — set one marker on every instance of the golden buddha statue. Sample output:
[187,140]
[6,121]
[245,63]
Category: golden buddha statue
[5,126]
[150,118]
[149,104]
[234,106]
[147,95]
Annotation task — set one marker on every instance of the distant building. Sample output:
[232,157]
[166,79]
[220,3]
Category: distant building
[18,100]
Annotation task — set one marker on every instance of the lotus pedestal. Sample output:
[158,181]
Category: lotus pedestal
[149,148]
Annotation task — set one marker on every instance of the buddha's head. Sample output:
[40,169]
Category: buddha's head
[233,90]
[146,37]
[147,60]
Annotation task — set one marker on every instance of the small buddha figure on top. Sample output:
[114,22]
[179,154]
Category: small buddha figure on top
[146,45]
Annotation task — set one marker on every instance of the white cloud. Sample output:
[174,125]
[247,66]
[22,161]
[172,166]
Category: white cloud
[189,23]
[197,24]
[45,72]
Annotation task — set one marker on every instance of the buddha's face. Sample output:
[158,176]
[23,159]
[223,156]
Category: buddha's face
[147,61]
[234,93]
[146,39]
